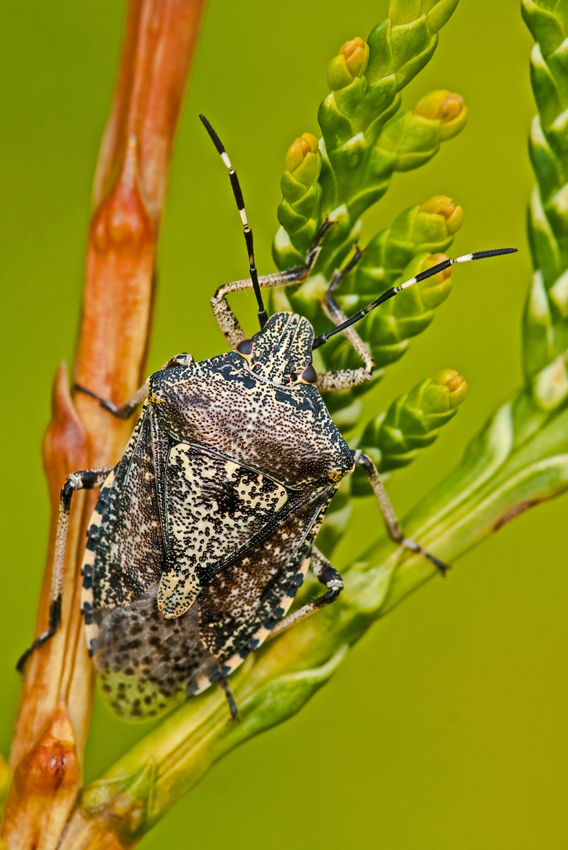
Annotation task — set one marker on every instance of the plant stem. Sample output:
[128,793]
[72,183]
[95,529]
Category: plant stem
[128,198]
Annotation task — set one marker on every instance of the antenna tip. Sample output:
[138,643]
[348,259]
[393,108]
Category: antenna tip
[493,252]
[213,135]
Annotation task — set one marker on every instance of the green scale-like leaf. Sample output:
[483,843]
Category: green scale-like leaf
[365,140]
[545,322]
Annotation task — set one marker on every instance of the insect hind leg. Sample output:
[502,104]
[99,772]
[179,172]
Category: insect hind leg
[392,524]
[85,479]
[224,686]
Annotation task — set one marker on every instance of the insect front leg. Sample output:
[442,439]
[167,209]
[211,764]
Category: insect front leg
[328,576]
[394,530]
[226,319]
[85,479]
[343,379]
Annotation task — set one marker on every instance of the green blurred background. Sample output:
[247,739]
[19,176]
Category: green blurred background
[445,728]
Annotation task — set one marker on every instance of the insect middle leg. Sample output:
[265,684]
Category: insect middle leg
[328,576]
[392,524]
[343,379]
[85,479]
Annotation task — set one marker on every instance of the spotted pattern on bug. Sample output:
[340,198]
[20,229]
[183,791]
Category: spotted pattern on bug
[87,567]
[214,506]
[203,534]
[258,638]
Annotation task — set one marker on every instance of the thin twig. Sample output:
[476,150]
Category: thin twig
[128,198]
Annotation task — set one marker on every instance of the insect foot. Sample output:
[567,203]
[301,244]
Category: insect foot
[415,547]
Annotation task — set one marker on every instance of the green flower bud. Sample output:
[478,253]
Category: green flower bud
[434,289]
[338,75]
[446,387]
[388,329]
[410,139]
[356,54]
[426,229]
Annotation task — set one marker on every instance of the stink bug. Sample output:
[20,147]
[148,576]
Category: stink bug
[205,529]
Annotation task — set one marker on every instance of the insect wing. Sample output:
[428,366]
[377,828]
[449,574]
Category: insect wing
[240,603]
[125,531]
[214,508]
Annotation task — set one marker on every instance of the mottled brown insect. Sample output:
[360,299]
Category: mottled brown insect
[205,529]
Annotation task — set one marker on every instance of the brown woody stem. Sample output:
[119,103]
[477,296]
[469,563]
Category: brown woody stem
[128,199]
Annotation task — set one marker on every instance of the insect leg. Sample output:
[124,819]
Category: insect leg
[124,412]
[86,479]
[226,319]
[394,530]
[223,684]
[342,379]
[327,575]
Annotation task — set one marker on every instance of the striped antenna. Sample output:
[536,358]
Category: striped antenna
[237,192]
[390,293]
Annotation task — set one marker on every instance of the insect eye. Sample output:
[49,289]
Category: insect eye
[245,347]
[309,375]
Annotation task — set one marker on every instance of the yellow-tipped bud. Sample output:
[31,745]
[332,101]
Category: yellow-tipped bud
[356,55]
[441,106]
[350,63]
[446,107]
[455,384]
[433,260]
[444,206]
[451,107]
[299,150]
